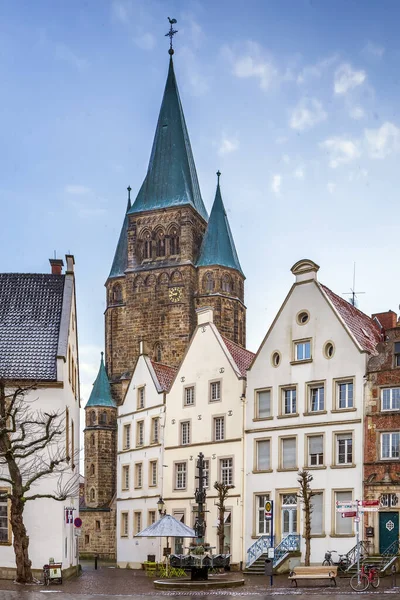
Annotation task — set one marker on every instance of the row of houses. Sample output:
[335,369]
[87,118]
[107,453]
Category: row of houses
[322,393]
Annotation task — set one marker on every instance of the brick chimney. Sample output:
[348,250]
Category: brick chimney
[388,319]
[56,265]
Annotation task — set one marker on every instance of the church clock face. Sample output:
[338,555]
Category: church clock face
[175,294]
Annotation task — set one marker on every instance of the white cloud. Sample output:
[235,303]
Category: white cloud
[331,187]
[192,29]
[299,173]
[122,11]
[78,190]
[253,62]
[373,50]
[276,184]
[308,112]
[286,159]
[316,71]
[347,79]
[67,55]
[382,141]
[194,79]
[145,41]
[228,145]
[341,150]
[357,112]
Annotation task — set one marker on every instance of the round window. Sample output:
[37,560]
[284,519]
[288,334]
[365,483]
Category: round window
[303,317]
[275,359]
[329,350]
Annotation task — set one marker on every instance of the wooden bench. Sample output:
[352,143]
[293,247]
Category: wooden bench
[313,573]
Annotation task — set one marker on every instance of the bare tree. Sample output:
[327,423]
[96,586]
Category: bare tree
[223,492]
[305,495]
[32,448]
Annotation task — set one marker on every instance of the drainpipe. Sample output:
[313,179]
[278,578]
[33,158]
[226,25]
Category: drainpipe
[243,400]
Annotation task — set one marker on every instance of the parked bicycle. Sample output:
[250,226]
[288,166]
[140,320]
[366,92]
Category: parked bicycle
[368,575]
[333,558]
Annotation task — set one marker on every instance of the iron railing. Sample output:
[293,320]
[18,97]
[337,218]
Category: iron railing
[260,546]
[351,555]
[389,555]
[290,543]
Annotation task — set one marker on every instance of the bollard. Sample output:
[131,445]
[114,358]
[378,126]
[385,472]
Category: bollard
[393,570]
[95,561]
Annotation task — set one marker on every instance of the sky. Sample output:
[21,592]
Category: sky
[296,102]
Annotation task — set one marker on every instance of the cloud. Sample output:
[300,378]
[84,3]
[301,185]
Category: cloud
[194,79]
[347,79]
[228,145]
[67,55]
[253,62]
[317,70]
[341,150]
[382,141]
[286,159]
[136,21]
[146,41]
[276,184]
[122,11]
[191,29]
[331,187]
[374,50]
[78,190]
[299,173]
[357,112]
[307,114]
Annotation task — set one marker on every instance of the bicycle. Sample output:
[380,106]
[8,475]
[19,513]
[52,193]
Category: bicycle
[342,562]
[368,575]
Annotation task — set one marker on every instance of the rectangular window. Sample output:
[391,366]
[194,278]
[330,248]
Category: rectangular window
[289,401]
[302,350]
[4,518]
[153,473]
[344,395]
[98,526]
[317,398]
[390,445]
[288,449]
[189,396]
[344,449]
[125,477]
[127,437]
[137,522]
[226,470]
[390,398]
[317,521]
[155,430]
[219,428]
[140,433]
[138,475]
[124,524]
[67,454]
[140,397]
[185,433]
[151,518]
[262,525]
[215,391]
[263,455]
[315,450]
[397,354]
[180,476]
[343,526]
[263,404]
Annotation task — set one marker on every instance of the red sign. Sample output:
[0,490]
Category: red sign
[352,513]
[369,502]
[78,522]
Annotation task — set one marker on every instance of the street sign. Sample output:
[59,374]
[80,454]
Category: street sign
[352,513]
[344,509]
[78,522]
[369,503]
[357,520]
[271,552]
[346,503]
[364,509]
[268,510]
[78,532]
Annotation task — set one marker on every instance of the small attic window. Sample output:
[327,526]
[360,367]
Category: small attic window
[303,317]
[329,350]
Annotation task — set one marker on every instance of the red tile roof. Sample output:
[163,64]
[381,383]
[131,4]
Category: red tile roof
[165,374]
[242,357]
[365,330]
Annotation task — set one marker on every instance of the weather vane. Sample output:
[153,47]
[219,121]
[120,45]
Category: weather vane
[171,34]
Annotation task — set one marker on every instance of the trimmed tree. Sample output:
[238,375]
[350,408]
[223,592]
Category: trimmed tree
[305,495]
[222,494]
[32,448]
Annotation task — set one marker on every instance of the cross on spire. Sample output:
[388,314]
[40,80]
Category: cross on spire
[129,192]
[218,175]
[171,34]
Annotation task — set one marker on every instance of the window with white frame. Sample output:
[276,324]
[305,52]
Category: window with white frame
[263,404]
[127,437]
[316,398]
[180,476]
[185,433]
[390,445]
[215,391]
[153,473]
[344,395]
[302,350]
[219,428]
[397,354]
[124,524]
[155,430]
[138,475]
[137,522]
[289,401]
[288,453]
[125,477]
[140,397]
[226,471]
[189,396]
[315,450]
[262,525]
[390,398]
[140,433]
[343,526]
[151,517]
[263,455]
[317,521]
[4,517]
[344,448]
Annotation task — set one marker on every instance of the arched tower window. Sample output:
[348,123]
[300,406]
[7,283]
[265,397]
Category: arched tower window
[160,244]
[147,249]
[92,494]
[226,283]
[117,293]
[208,282]
[157,352]
[93,417]
[92,440]
[103,418]
[174,242]
[92,469]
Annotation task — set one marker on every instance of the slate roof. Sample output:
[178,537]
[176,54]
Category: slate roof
[242,357]
[120,261]
[365,330]
[101,391]
[165,374]
[171,178]
[218,247]
[30,317]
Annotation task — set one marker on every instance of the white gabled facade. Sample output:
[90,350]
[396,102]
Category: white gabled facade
[205,413]
[141,419]
[305,394]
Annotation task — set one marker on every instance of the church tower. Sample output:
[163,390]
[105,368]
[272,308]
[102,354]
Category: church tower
[156,281]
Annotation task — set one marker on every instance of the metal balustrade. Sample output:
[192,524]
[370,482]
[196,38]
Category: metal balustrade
[260,546]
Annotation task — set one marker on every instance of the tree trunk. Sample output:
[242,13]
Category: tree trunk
[221,531]
[21,542]
[307,537]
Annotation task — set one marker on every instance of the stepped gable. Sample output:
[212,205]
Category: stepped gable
[165,375]
[30,317]
[242,357]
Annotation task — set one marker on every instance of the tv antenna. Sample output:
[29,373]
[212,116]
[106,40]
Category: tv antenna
[353,294]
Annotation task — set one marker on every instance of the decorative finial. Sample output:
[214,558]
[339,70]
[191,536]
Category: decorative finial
[102,354]
[171,34]
[129,192]
[218,175]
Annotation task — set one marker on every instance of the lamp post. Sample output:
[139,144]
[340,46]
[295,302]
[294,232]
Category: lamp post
[160,505]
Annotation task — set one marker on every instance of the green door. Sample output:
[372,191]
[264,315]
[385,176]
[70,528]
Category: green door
[388,529]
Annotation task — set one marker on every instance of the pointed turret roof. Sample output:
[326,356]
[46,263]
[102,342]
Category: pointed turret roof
[101,392]
[218,247]
[171,178]
[120,261]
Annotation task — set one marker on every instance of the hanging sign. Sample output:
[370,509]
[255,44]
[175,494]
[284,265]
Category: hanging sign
[268,510]
[352,513]
[369,502]
[69,516]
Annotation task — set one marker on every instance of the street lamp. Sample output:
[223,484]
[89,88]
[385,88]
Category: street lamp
[160,505]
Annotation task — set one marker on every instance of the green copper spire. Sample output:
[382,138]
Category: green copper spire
[120,261]
[101,392]
[171,178]
[218,247]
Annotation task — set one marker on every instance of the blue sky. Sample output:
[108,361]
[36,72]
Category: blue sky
[296,102]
